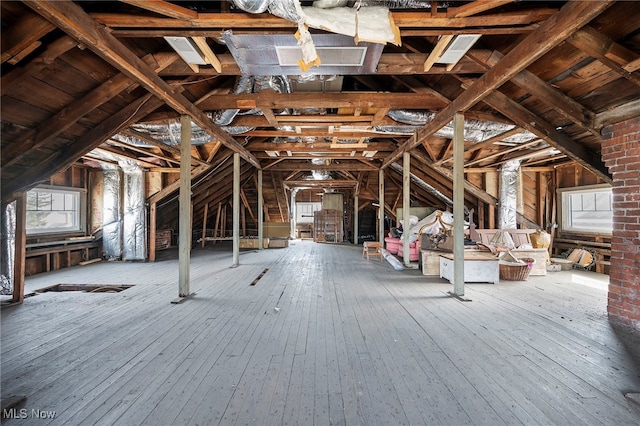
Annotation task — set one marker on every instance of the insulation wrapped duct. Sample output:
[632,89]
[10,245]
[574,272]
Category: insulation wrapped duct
[169,134]
[244,84]
[7,259]
[252,6]
[474,130]
[112,218]
[134,232]
[507,215]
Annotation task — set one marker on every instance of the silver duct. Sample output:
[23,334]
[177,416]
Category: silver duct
[111,215]
[285,9]
[507,215]
[252,6]
[7,257]
[474,130]
[244,84]
[134,229]
[169,133]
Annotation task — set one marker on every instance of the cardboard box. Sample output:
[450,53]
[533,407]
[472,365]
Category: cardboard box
[278,243]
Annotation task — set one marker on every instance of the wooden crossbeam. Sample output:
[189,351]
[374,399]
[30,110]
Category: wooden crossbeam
[551,33]
[70,17]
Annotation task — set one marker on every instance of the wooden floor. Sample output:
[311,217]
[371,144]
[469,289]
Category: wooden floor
[323,337]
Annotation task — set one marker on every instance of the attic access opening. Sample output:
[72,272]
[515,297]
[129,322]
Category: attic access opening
[87,288]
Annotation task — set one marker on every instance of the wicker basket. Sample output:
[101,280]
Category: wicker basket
[512,271]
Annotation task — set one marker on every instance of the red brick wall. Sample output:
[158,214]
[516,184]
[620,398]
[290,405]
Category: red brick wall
[621,154]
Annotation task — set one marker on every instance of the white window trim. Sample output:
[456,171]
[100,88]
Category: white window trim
[562,213]
[82,211]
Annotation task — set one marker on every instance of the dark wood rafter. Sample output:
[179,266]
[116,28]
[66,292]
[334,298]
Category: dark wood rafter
[619,59]
[67,117]
[90,140]
[79,25]
[552,32]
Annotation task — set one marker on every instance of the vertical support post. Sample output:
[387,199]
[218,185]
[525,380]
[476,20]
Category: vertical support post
[355,219]
[204,224]
[293,214]
[20,256]
[381,207]
[184,240]
[152,231]
[406,205]
[458,205]
[236,209]
[260,210]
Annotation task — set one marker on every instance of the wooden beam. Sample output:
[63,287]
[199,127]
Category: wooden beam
[164,8]
[482,145]
[291,165]
[364,100]
[60,160]
[23,34]
[68,116]
[437,51]
[237,21]
[322,183]
[163,146]
[185,209]
[475,7]
[547,131]
[605,50]
[208,54]
[551,33]
[503,152]
[20,247]
[617,114]
[566,106]
[11,79]
[73,20]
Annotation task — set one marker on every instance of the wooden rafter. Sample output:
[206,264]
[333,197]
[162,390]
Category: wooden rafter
[68,116]
[73,20]
[566,106]
[164,147]
[552,32]
[23,35]
[165,8]
[605,50]
[92,139]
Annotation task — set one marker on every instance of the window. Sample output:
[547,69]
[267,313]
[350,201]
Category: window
[304,211]
[54,209]
[587,209]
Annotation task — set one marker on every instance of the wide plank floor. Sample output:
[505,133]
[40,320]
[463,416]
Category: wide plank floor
[323,337]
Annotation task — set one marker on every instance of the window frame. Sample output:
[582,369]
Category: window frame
[563,213]
[80,211]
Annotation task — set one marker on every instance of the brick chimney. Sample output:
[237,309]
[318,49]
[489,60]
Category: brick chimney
[621,154]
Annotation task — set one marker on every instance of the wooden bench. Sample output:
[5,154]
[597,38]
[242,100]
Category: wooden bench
[372,248]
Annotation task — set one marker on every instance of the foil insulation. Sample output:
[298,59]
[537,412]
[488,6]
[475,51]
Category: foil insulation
[507,215]
[169,133]
[134,229]
[244,84]
[7,259]
[252,6]
[474,131]
[112,216]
